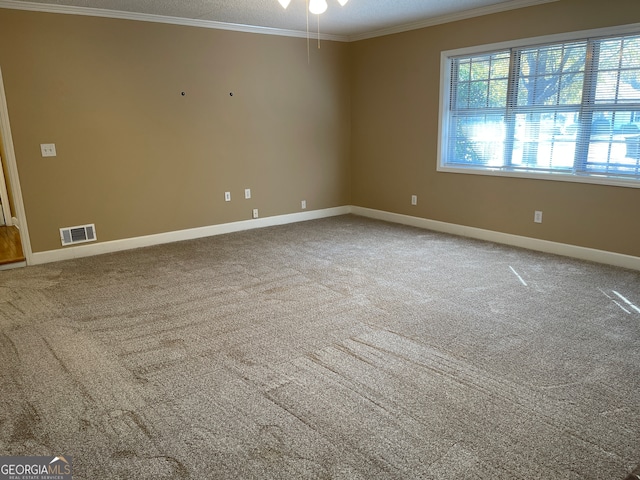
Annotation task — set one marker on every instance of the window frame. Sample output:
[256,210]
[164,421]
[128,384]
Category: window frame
[446,58]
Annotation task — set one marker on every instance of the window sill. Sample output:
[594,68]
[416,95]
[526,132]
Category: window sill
[556,176]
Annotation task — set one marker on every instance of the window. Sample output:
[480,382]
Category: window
[564,109]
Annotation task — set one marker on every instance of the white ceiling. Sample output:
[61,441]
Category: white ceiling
[358,19]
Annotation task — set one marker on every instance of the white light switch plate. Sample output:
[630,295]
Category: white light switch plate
[537,216]
[48,149]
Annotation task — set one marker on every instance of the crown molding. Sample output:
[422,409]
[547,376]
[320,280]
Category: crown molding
[192,22]
[454,17]
[148,17]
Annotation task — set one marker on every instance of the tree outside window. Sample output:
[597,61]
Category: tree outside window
[568,107]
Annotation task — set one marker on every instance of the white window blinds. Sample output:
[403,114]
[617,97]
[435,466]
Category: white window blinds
[569,108]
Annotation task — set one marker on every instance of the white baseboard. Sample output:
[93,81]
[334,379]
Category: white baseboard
[11,266]
[583,253]
[87,250]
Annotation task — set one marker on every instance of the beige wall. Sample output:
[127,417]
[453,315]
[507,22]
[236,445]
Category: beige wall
[137,158]
[395,102]
[357,125]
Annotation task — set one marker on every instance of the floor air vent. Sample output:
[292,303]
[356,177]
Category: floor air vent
[80,234]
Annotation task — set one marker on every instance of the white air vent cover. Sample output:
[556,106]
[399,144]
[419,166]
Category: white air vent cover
[80,234]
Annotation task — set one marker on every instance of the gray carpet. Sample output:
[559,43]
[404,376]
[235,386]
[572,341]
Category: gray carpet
[342,348]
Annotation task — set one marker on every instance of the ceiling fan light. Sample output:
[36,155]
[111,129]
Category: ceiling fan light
[284,3]
[343,2]
[318,6]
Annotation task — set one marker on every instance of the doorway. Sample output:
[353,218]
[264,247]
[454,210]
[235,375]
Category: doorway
[10,246]
[15,248]
[10,243]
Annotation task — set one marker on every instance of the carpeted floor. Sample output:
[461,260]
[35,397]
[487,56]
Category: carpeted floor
[342,348]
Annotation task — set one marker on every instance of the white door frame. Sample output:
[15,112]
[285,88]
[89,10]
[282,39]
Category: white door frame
[14,180]
[4,199]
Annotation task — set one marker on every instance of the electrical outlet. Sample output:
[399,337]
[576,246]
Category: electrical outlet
[227,196]
[414,199]
[48,149]
[537,216]
[247,193]
[255,213]
[303,204]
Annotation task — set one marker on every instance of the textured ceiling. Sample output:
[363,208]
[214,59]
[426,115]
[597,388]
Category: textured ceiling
[357,19]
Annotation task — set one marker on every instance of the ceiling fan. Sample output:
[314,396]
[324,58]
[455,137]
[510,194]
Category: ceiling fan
[315,6]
